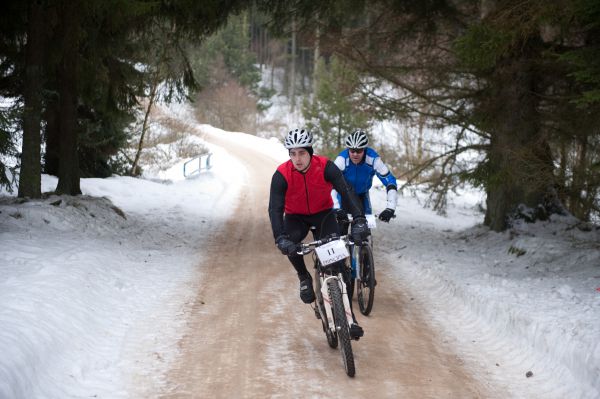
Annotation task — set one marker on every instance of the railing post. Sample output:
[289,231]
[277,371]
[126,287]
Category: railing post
[199,169]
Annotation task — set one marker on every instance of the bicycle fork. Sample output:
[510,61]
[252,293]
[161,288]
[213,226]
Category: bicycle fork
[355,259]
[327,301]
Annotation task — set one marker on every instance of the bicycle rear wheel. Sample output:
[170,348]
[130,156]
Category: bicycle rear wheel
[365,289]
[341,323]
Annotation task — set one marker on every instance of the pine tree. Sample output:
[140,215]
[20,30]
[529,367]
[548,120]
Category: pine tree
[91,79]
[336,109]
[30,176]
[492,72]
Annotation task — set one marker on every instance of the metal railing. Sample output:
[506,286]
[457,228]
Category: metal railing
[196,165]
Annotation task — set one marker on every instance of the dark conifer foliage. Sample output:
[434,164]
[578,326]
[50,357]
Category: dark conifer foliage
[516,81]
[75,70]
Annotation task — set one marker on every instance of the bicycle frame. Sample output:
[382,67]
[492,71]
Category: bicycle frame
[322,280]
[355,248]
[363,278]
[333,306]
[354,253]
[322,284]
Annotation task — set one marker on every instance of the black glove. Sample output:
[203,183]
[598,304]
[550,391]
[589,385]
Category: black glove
[341,215]
[287,246]
[360,229]
[386,215]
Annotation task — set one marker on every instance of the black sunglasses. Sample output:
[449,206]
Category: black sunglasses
[357,150]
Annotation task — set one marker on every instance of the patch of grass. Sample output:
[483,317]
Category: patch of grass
[516,251]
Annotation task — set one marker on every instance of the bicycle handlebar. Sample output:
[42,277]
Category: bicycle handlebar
[349,217]
[306,248]
[325,240]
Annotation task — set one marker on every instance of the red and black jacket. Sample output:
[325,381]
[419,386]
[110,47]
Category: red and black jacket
[306,193]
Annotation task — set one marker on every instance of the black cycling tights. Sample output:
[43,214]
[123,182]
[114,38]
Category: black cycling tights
[297,226]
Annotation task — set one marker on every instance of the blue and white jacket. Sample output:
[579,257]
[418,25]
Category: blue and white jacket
[360,177]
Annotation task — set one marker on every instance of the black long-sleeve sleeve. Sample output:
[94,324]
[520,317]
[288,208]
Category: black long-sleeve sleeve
[277,202]
[335,177]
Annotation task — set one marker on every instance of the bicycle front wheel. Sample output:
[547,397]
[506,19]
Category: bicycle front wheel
[341,323]
[365,289]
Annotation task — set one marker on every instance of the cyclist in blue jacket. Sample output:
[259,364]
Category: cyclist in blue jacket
[360,163]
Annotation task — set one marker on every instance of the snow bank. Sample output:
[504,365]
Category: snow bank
[92,287]
[520,301]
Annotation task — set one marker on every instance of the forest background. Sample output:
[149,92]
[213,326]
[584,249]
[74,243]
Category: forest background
[499,94]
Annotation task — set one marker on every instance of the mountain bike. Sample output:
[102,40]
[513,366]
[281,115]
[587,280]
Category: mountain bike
[332,304]
[363,269]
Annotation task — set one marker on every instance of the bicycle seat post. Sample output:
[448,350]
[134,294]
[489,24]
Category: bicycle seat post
[314,232]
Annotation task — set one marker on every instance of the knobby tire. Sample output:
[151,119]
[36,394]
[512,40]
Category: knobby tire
[343,334]
[365,290]
[332,338]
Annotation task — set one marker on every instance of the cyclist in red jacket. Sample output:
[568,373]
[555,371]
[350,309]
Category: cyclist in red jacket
[300,198]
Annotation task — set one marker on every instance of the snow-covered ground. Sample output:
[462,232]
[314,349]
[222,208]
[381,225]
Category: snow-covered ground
[91,301]
[92,288]
[522,307]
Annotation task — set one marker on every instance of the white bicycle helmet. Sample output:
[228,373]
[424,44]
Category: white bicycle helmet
[357,140]
[298,138]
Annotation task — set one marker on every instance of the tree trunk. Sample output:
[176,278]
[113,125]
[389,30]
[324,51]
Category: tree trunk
[562,174]
[520,163]
[272,77]
[68,174]
[30,181]
[134,166]
[579,187]
[317,55]
[419,150]
[266,49]
[52,135]
[293,68]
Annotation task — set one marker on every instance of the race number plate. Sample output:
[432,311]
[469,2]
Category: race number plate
[371,221]
[332,252]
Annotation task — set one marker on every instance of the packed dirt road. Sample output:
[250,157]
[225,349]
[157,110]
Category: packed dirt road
[250,336]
